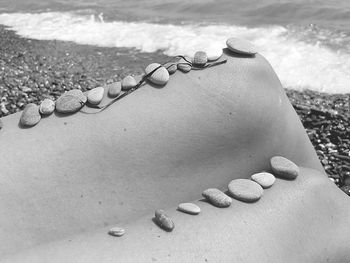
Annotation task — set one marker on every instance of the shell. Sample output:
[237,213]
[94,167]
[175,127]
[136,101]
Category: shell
[71,101]
[189,208]
[284,168]
[200,58]
[114,89]
[47,107]
[128,83]
[241,46]
[266,180]
[164,221]
[184,67]
[217,198]
[160,76]
[116,231]
[95,95]
[30,115]
[245,190]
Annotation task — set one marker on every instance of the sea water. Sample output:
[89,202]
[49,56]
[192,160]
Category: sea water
[306,41]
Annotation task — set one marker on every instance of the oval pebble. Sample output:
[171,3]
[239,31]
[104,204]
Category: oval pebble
[171,68]
[95,95]
[114,89]
[217,197]
[128,83]
[245,190]
[265,179]
[200,58]
[47,107]
[160,76]
[71,101]
[163,220]
[189,208]
[240,46]
[116,231]
[30,115]
[284,168]
[184,67]
[214,54]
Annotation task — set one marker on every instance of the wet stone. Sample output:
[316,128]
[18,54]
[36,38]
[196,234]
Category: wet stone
[47,107]
[241,46]
[245,190]
[189,208]
[163,220]
[71,101]
[265,179]
[184,67]
[284,168]
[114,89]
[217,197]
[95,95]
[30,115]
[116,231]
[128,83]
[160,76]
[200,58]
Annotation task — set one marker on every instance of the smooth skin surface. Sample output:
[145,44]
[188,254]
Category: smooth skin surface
[156,148]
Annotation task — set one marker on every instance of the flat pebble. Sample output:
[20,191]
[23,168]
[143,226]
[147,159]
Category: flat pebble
[47,107]
[217,197]
[114,89]
[240,46]
[128,83]
[284,168]
[95,95]
[71,101]
[214,54]
[189,208]
[265,179]
[245,190]
[116,231]
[171,68]
[184,67]
[160,76]
[163,220]
[30,115]
[200,58]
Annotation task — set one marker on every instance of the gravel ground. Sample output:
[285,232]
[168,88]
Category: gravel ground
[31,70]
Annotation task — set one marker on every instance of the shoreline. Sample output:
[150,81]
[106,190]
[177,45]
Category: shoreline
[32,70]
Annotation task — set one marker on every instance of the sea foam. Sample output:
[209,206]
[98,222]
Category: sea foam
[299,64]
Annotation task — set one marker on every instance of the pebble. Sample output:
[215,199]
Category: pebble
[189,208]
[172,68]
[217,197]
[284,168]
[163,220]
[116,231]
[240,46]
[95,95]
[114,89]
[346,189]
[214,54]
[266,180]
[30,115]
[200,58]
[71,101]
[47,107]
[184,67]
[128,83]
[160,76]
[245,190]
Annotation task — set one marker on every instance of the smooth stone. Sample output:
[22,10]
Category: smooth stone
[265,179]
[160,76]
[116,231]
[171,68]
[128,83]
[47,107]
[184,67]
[217,197]
[114,89]
[163,220]
[95,95]
[214,54]
[284,168]
[245,190]
[30,115]
[200,58]
[71,101]
[189,208]
[240,46]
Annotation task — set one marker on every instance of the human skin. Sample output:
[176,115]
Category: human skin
[155,148]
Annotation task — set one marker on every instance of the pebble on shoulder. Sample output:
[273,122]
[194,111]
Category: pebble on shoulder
[284,168]
[164,221]
[189,208]
[245,190]
[217,197]
[30,115]
[116,231]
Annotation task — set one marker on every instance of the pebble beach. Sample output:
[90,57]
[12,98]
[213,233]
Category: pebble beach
[34,70]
